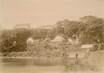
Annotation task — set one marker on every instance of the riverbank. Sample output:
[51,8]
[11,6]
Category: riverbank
[32,62]
[39,60]
[93,62]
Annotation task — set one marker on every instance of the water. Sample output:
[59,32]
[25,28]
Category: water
[26,65]
[23,65]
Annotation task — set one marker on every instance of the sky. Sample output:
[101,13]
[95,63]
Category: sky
[46,12]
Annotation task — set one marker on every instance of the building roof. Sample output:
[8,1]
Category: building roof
[58,38]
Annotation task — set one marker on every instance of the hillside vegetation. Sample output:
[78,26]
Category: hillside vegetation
[88,30]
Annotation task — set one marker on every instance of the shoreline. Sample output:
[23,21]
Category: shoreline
[19,57]
[30,57]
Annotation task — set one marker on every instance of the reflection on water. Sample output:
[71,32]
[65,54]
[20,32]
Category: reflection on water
[16,61]
[19,65]
[26,65]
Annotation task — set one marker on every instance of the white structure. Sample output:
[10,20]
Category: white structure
[30,41]
[87,46]
[58,39]
[73,41]
[22,26]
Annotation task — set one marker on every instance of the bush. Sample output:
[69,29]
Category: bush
[14,40]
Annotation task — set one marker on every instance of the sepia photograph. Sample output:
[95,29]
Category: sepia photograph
[51,36]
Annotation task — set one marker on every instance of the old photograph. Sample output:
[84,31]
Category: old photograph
[51,36]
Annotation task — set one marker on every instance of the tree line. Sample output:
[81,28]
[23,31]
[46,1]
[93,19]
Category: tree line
[88,29]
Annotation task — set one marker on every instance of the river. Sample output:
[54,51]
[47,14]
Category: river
[26,65]
[23,65]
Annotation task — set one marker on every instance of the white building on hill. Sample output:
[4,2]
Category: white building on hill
[58,39]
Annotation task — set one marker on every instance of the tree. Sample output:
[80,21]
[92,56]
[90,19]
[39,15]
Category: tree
[42,33]
[21,37]
[14,40]
[89,29]
[70,28]
[94,31]
[7,39]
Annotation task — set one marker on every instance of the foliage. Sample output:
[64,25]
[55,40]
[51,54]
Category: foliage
[41,33]
[70,29]
[89,30]
[14,40]
[94,31]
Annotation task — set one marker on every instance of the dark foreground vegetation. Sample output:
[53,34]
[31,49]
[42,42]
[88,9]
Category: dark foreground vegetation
[88,30]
